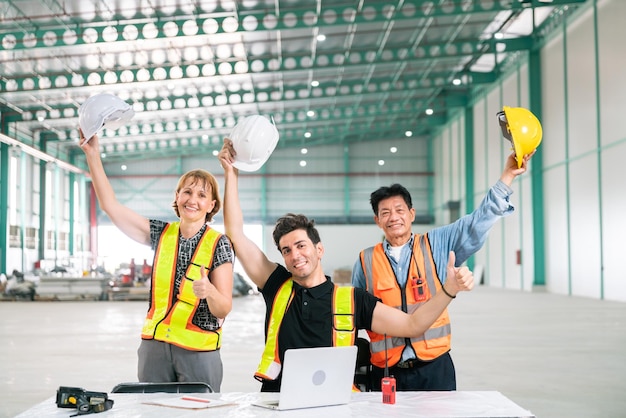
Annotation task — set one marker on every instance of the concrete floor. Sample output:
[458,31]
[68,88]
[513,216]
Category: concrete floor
[556,356]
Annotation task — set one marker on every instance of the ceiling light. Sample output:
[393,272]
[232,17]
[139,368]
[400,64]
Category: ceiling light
[39,154]
[393,150]
[307,134]
[381,162]
[304,151]
[302,163]
[456,81]
[408,133]
[190,28]
[230,25]
[159,73]
[310,113]
[110,77]
[429,112]
[150,31]
[70,37]
[49,38]
[93,79]
[143,75]
[176,72]
[315,83]
[109,34]
[130,32]
[127,76]
[321,37]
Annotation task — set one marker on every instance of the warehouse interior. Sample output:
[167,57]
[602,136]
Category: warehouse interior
[363,94]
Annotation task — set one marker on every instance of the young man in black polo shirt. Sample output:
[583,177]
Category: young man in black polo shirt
[308,314]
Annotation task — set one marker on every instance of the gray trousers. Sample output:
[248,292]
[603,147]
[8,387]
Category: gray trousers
[163,362]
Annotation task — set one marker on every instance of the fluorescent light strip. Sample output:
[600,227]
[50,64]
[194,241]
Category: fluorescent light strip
[42,155]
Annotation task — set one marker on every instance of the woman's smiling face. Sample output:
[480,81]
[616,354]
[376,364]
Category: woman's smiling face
[194,200]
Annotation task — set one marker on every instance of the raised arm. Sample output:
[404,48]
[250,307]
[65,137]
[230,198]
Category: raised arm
[255,263]
[394,322]
[510,168]
[468,234]
[128,221]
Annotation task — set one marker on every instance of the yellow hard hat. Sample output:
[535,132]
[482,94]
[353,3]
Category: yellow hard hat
[522,128]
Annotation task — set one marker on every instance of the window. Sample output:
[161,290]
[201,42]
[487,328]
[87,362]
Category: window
[31,238]
[15,239]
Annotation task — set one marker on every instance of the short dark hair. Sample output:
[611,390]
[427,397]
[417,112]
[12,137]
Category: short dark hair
[385,192]
[291,222]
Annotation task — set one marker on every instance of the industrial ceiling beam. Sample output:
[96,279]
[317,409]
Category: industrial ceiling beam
[71,30]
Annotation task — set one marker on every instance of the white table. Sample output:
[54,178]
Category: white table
[367,404]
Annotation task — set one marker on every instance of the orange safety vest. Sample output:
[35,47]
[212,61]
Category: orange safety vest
[382,283]
[344,329]
[171,321]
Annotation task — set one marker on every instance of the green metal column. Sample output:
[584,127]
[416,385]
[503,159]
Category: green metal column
[72,217]
[264,211]
[41,250]
[22,208]
[599,144]
[534,82]
[469,166]
[346,182]
[57,205]
[4,193]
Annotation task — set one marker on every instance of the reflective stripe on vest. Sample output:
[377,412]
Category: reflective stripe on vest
[382,283]
[344,329]
[269,368]
[172,322]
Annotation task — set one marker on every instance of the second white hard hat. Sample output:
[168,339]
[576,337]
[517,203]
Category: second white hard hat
[103,111]
[254,139]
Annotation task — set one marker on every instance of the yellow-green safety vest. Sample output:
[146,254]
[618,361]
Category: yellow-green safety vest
[344,329]
[169,319]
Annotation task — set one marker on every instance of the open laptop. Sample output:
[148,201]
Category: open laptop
[313,377]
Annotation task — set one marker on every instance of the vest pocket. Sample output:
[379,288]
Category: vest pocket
[185,292]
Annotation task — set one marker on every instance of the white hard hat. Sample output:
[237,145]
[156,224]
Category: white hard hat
[254,139]
[103,111]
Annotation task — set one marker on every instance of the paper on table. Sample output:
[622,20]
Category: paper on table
[189,402]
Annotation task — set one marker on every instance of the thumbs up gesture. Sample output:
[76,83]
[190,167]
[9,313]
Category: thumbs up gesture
[458,279]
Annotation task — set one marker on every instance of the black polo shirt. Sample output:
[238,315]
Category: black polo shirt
[308,320]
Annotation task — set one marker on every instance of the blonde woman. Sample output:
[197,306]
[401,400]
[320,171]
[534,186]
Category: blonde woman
[192,277]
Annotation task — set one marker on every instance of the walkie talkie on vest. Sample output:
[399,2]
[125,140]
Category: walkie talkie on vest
[388,384]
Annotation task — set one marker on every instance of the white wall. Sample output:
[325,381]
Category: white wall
[342,243]
[583,152]
[612,152]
